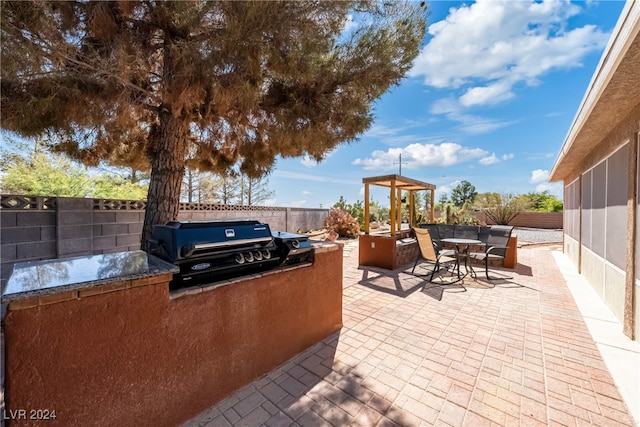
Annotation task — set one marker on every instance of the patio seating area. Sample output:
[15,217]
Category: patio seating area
[411,353]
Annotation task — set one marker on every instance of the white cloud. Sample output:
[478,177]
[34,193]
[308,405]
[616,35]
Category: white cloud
[490,160]
[488,47]
[538,176]
[493,159]
[297,203]
[270,202]
[306,192]
[486,95]
[421,155]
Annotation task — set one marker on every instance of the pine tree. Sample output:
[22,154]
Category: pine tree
[236,82]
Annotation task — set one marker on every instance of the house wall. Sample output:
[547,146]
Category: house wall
[601,234]
[572,249]
[136,354]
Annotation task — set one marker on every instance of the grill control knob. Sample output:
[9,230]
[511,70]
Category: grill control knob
[257,255]
[248,256]
[266,254]
[240,259]
[295,244]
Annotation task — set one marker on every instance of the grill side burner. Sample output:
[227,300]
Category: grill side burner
[293,248]
[214,250]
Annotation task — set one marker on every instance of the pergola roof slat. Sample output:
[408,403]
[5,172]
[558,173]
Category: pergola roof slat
[401,182]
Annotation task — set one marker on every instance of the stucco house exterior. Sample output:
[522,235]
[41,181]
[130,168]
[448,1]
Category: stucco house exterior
[598,165]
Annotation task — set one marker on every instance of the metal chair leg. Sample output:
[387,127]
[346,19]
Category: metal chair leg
[486,272]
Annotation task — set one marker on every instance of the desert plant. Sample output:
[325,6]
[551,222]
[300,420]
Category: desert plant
[455,215]
[342,223]
[503,208]
[356,210]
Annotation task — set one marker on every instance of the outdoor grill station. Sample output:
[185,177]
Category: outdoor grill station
[394,248]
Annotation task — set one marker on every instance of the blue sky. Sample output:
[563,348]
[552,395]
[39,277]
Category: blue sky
[489,100]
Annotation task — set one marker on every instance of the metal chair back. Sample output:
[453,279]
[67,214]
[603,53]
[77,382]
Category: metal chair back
[466,232]
[499,235]
[427,250]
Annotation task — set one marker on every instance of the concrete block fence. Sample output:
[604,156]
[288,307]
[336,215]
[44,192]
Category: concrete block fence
[35,227]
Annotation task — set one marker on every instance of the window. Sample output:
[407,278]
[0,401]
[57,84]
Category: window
[571,209]
[604,207]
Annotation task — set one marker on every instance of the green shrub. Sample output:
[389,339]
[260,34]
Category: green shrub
[342,223]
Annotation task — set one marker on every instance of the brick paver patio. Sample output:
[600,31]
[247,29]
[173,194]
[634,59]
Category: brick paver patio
[514,352]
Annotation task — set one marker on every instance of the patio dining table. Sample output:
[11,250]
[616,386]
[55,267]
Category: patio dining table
[462,251]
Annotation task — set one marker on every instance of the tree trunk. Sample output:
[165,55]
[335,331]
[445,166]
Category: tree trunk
[167,170]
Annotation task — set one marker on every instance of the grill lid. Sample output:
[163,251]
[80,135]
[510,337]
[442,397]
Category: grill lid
[179,240]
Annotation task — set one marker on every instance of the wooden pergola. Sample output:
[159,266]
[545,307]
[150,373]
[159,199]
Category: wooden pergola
[397,184]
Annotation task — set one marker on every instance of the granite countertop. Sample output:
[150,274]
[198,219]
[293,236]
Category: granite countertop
[47,277]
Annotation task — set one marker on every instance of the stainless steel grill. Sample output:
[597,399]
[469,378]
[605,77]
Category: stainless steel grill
[293,248]
[214,250]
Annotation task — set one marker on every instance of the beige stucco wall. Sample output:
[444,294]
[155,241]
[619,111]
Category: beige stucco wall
[571,249]
[614,290]
[592,268]
[637,313]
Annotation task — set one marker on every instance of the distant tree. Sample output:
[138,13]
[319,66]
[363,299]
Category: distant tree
[543,202]
[191,186]
[238,82]
[377,212]
[443,200]
[423,206]
[463,193]
[229,190]
[45,174]
[254,191]
[341,204]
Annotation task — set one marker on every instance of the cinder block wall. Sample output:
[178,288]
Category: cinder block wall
[547,220]
[34,228]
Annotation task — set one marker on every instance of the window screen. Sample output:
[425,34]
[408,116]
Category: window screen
[571,216]
[617,185]
[598,205]
[586,209]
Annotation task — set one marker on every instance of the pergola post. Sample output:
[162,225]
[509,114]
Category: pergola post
[366,208]
[433,206]
[392,214]
[396,185]
[412,214]
[399,209]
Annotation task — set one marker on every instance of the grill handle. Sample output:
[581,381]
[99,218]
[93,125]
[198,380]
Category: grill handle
[188,250]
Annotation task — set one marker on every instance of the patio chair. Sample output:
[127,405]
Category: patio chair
[429,252]
[496,247]
[466,232]
[435,237]
[483,233]
[445,231]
